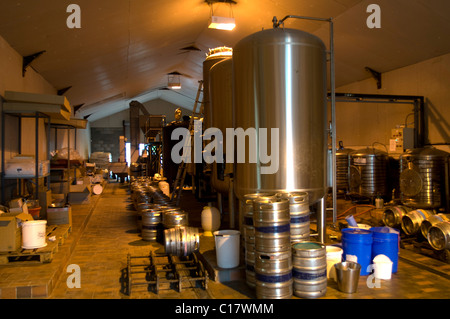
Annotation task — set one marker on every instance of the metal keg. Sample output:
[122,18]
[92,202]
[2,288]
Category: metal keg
[273,275]
[309,269]
[181,241]
[431,221]
[411,222]
[174,217]
[271,220]
[368,172]
[151,220]
[422,178]
[439,236]
[299,215]
[249,236]
[392,216]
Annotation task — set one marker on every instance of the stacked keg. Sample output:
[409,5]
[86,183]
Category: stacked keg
[273,257]
[156,216]
[299,215]
[412,221]
[309,269]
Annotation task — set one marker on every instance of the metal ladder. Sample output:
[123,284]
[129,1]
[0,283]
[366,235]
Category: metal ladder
[181,173]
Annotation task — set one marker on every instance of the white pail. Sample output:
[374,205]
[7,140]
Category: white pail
[227,248]
[382,266]
[334,256]
[34,234]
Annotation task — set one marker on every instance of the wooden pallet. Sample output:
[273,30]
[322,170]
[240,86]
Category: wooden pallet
[38,255]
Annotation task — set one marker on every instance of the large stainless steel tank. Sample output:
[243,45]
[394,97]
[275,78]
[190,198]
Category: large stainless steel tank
[368,172]
[423,174]
[221,99]
[215,55]
[279,80]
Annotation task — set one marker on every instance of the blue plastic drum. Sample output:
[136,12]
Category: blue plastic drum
[357,246]
[386,242]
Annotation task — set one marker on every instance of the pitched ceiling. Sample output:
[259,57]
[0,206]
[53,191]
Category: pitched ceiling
[125,49]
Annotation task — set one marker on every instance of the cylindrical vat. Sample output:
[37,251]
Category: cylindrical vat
[368,172]
[181,241]
[221,98]
[271,220]
[392,216]
[423,178]
[174,218]
[215,55]
[431,221]
[411,222]
[299,212]
[279,82]
[439,236]
[273,275]
[309,261]
[386,242]
[357,247]
[342,168]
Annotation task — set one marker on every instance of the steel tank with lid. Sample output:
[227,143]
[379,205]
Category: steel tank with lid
[368,172]
[279,82]
[214,55]
[221,115]
[423,178]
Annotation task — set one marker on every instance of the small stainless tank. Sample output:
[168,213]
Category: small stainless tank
[368,169]
[215,55]
[279,81]
[342,168]
[221,108]
[423,178]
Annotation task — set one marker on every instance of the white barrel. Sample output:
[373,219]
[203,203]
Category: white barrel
[34,234]
[227,248]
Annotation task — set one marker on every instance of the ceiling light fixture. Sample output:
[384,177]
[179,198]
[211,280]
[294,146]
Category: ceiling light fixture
[221,22]
[174,80]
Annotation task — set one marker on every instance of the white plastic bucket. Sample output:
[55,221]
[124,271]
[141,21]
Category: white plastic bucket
[227,248]
[382,266]
[34,234]
[334,256]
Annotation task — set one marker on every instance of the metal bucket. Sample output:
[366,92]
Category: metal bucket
[439,236]
[431,221]
[271,220]
[181,241]
[392,216]
[309,269]
[273,275]
[151,220]
[411,222]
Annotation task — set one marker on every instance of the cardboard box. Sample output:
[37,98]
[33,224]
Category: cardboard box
[10,234]
[59,215]
[45,200]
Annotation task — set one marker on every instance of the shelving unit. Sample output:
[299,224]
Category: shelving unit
[36,115]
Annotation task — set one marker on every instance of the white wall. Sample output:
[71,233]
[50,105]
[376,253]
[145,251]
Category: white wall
[366,123]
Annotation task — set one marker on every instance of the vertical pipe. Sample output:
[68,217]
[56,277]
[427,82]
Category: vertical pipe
[231,204]
[3,153]
[321,220]
[37,154]
[48,149]
[333,128]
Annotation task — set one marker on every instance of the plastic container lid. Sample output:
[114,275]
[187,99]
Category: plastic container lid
[382,259]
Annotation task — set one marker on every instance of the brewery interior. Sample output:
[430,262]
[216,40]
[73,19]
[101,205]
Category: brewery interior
[302,153]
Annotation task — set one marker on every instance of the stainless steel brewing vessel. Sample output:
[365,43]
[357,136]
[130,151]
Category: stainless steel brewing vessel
[221,115]
[215,55]
[279,81]
[423,175]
